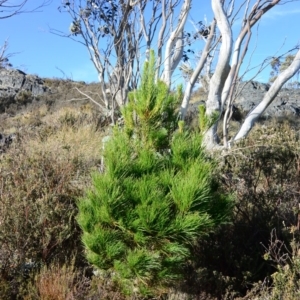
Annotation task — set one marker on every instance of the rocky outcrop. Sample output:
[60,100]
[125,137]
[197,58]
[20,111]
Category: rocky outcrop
[287,102]
[17,86]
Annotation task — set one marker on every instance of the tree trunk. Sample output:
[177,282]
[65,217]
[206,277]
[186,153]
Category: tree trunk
[213,104]
[197,71]
[269,97]
[171,62]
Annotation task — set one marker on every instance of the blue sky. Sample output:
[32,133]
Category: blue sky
[42,53]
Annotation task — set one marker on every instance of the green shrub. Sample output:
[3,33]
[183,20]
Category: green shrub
[155,198]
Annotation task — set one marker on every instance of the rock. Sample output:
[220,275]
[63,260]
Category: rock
[250,94]
[17,86]
[13,80]
[260,86]
[5,141]
[287,102]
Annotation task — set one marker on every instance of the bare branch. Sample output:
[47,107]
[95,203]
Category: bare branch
[9,9]
[4,56]
[91,99]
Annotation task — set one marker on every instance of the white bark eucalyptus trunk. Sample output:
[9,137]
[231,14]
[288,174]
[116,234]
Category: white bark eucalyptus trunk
[213,103]
[175,44]
[269,97]
[239,52]
[197,71]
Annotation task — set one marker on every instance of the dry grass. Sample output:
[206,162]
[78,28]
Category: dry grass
[54,283]
[42,174]
[58,282]
[80,140]
[48,167]
[199,95]
[68,128]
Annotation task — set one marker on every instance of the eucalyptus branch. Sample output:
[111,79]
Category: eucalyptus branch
[9,8]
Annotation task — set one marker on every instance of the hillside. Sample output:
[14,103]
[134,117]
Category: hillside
[46,166]
[22,93]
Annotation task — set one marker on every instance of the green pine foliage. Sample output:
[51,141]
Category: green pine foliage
[151,113]
[205,121]
[156,197]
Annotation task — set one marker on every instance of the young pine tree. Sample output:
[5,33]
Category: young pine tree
[156,197]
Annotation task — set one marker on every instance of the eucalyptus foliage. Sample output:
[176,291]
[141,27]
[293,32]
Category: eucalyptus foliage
[156,197]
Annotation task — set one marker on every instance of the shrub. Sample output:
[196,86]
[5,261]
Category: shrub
[57,282]
[24,97]
[41,176]
[155,198]
[284,282]
[37,209]
[263,174]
